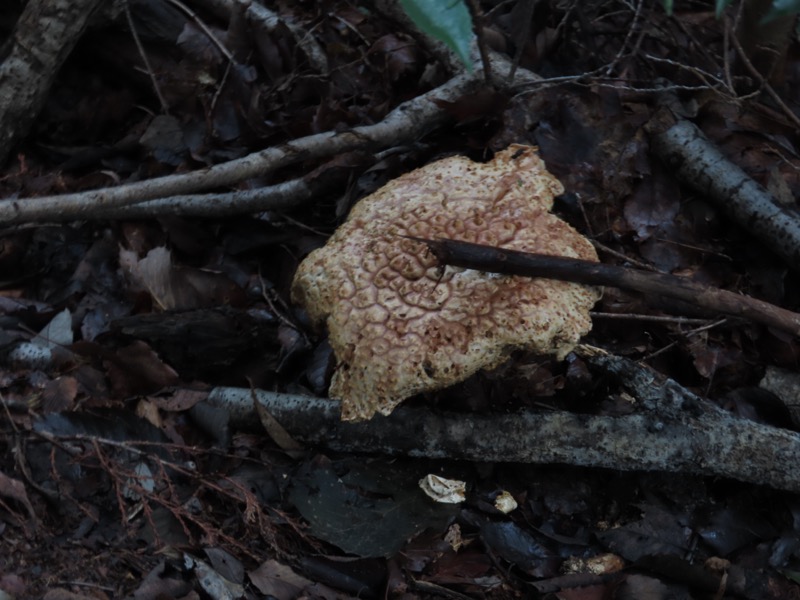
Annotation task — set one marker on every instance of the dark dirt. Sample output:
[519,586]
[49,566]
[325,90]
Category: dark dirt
[117,481]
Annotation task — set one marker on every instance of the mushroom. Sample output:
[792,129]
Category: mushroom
[399,324]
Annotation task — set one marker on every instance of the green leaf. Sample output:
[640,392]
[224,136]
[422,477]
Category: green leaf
[782,8]
[791,575]
[668,5]
[720,6]
[446,20]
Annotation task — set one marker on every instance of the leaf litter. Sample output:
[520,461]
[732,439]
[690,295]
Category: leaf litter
[174,503]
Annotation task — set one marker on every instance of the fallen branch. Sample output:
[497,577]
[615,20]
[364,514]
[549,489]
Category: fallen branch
[287,195]
[511,262]
[283,196]
[673,431]
[406,123]
[699,163]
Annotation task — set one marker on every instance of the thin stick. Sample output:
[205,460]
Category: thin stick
[405,124]
[650,318]
[204,28]
[699,163]
[478,22]
[788,112]
[145,60]
[511,262]
[522,40]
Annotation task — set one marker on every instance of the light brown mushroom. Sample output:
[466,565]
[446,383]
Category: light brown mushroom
[400,325]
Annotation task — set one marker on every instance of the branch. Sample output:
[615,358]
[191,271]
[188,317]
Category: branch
[406,123]
[281,196]
[674,431]
[700,164]
[512,262]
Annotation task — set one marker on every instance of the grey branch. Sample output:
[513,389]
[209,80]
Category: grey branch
[282,196]
[672,430]
[700,164]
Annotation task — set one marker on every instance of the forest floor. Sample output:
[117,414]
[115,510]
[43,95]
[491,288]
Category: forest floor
[119,480]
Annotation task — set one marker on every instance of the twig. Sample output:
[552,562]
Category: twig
[628,36]
[204,28]
[603,248]
[512,262]
[698,72]
[434,589]
[522,39]
[726,55]
[265,21]
[88,584]
[478,23]
[404,124]
[788,112]
[145,60]
[648,318]
[685,335]
[282,196]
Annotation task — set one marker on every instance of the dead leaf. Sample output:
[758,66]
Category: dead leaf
[15,490]
[136,369]
[272,578]
[173,287]
[59,394]
[399,54]
[275,430]
[655,202]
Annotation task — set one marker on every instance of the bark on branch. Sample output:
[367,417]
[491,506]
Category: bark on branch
[673,431]
[700,164]
[513,262]
[43,38]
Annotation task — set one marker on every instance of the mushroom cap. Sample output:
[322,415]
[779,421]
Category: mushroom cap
[399,324]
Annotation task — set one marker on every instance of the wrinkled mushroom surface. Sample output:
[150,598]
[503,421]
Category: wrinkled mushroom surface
[400,325]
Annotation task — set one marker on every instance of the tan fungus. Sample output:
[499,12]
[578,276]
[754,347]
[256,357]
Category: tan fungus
[398,324]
